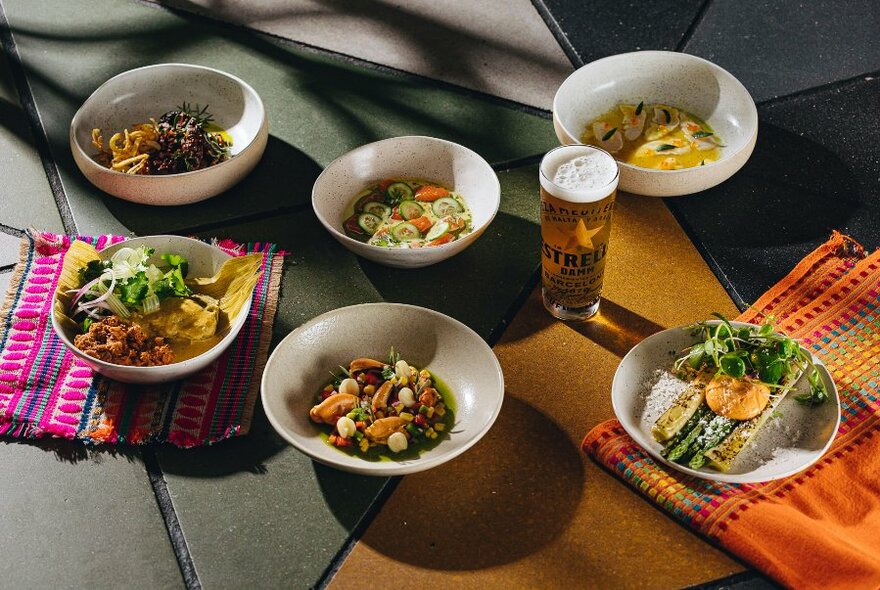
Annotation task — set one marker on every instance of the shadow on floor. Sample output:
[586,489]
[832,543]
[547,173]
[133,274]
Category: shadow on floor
[459,522]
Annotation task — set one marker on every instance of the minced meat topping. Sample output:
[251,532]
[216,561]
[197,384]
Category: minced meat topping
[116,341]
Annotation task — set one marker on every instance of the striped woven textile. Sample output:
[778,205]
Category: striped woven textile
[45,391]
[821,527]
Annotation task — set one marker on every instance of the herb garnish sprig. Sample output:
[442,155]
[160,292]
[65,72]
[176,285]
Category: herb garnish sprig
[760,354]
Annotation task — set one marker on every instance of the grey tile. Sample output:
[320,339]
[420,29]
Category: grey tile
[282,516]
[5,278]
[776,47]
[9,248]
[609,27]
[500,47]
[319,107]
[73,518]
[24,181]
[814,170]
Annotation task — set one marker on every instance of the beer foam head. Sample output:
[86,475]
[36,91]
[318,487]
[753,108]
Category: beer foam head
[579,173]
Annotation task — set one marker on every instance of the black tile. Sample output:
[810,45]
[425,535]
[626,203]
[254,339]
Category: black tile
[776,47]
[815,169]
[607,27]
[743,581]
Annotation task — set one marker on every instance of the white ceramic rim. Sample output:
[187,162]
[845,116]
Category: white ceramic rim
[74,123]
[383,469]
[181,366]
[718,475]
[407,251]
[684,57]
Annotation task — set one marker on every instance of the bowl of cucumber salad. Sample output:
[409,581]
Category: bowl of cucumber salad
[407,202]
[727,401]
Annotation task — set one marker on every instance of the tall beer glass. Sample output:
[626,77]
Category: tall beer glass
[578,186]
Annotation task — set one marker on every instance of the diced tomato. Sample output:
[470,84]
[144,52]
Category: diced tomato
[384,184]
[360,424]
[430,193]
[421,421]
[395,215]
[343,442]
[372,378]
[325,394]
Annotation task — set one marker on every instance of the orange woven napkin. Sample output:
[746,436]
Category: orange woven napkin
[821,527]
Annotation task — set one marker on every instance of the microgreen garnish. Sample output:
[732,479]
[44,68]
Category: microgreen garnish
[639,108]
[664,147]
[200,114]
[610,134]
[760,354]
[700,134]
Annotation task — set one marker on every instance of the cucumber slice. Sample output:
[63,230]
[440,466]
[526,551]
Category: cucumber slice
[446,206]
[369,223]
[353,229]
[378,209]
[410,210]
[398,191]
[440,228]
[405,232]
[373,197]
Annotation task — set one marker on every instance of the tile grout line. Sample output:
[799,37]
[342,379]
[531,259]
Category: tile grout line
[154,472]
[836,84]
[358,531]
[729,582]
[556,30]
[26,98]
[355,61]
[695,24]
[172,523]
[6,229]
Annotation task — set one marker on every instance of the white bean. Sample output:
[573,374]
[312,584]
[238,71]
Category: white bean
[402,369]
[345,427]
[397,442]
[349,386]
[407,397]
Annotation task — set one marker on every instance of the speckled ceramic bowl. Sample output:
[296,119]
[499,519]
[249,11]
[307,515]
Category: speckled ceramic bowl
[784,445]
[677,79]
[204,261]
[136,95]
[298,370]
[426,158]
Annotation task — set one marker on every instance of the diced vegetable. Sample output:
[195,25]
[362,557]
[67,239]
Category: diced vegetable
[438,230]
[373,197]
[431,192]
[446,206]
[369,222]
[411,210]
[378,209]
[398,192]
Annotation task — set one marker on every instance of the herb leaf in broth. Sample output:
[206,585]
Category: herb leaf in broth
[640,108]
[665,147]
[701,134]
[668,115]
[610,134]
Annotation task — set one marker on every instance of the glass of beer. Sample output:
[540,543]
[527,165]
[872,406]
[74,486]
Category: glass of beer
[578,186]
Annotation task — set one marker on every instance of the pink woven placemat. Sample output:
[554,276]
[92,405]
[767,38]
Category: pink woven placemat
[45,391]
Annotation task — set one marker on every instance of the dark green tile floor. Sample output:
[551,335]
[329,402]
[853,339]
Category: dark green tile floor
[284,517]
[319,108]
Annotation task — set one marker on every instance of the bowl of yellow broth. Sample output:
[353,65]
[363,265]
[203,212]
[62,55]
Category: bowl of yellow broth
[677,124]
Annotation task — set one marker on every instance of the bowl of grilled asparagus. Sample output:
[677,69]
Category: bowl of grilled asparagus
[727,401]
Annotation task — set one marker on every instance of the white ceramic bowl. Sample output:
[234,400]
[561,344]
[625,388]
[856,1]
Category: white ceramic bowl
[298,369]
[204,261]
[782,447]
[426,158]
[677,79]
[136,95]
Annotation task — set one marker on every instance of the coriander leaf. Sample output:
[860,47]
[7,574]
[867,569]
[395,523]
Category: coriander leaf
[610,134]
[664,147]
[387,373]
[733,366]
[701,134]
[133,291]
[177,261]
[94,269]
